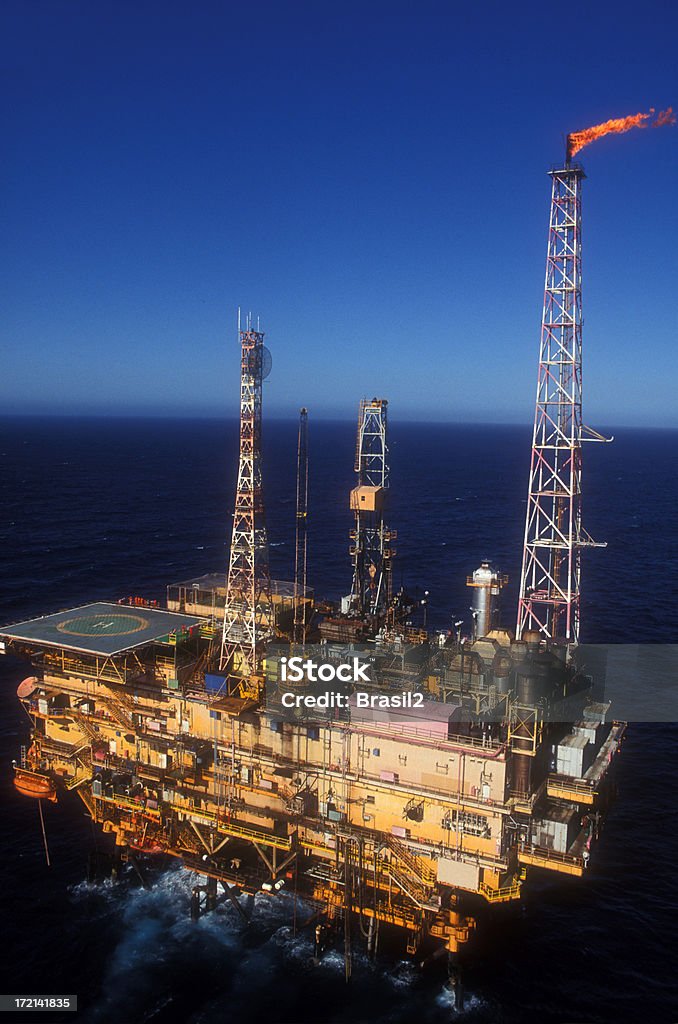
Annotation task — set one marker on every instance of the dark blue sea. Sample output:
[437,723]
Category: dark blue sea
[101,509]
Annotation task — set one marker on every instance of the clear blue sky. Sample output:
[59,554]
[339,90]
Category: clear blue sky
[368,177]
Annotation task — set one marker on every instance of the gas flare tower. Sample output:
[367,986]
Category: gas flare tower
[248,614]
[371,539]
[554,537]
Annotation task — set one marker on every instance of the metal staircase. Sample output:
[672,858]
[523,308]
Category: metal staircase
[87,727]
[122,708]
[409,873]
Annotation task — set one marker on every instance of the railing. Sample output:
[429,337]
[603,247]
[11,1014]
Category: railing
[409,634]
[132,805]
[525,801]
[395,912]
[417,732]
[118,712]
[502,894]
[541,856]
[424,874]
[580,786]
[86,797]
[84,775]
[76,667]
[144,771]
[58,748]
[234,828]
[499,580]
[83,721]
[453,794]
[416,892]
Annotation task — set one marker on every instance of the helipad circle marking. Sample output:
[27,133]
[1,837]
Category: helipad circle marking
[114,624]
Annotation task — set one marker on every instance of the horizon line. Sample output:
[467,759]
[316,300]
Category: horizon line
[291,418]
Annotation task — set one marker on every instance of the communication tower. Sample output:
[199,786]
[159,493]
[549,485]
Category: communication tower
[248,614]
[301,540]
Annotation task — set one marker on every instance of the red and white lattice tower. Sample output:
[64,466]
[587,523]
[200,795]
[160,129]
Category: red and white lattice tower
[554,537]
[248,615]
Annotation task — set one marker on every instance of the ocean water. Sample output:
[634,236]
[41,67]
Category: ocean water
[99,509]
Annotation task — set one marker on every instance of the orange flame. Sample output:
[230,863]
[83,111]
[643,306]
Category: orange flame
[617,125]
[665,117]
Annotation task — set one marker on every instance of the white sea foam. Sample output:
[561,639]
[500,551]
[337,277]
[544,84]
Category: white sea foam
[156,948]
[445,999]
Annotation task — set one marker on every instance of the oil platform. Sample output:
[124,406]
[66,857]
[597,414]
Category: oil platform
[426,788]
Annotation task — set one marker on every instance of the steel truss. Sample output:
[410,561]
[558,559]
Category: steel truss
[554,537]
[371,539]
[300,538]
[248,614]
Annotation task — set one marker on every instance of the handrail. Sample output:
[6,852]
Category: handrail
[416,892]
[132,805]
[543,853]
[501,895]
[576,785]
[424,875]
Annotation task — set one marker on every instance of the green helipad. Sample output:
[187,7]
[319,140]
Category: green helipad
[104,629]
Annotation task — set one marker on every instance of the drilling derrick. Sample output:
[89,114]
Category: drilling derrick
[301,542]
[554,537]
[248,613]
[371,549]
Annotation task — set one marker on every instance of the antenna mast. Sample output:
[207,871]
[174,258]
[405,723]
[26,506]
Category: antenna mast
[248,614]
[301,540]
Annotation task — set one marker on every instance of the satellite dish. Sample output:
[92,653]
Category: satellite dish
[266,362]
[260,362]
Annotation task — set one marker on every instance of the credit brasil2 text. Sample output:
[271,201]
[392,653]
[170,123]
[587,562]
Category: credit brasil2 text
[360,699]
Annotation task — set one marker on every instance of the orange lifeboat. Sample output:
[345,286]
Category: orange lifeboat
[41,787]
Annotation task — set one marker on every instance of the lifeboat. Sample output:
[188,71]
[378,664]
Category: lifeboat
[41,787]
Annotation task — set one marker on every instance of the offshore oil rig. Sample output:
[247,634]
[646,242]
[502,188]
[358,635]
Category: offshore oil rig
[404,797]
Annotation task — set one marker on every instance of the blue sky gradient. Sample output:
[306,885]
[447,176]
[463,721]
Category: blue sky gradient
[369,178]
